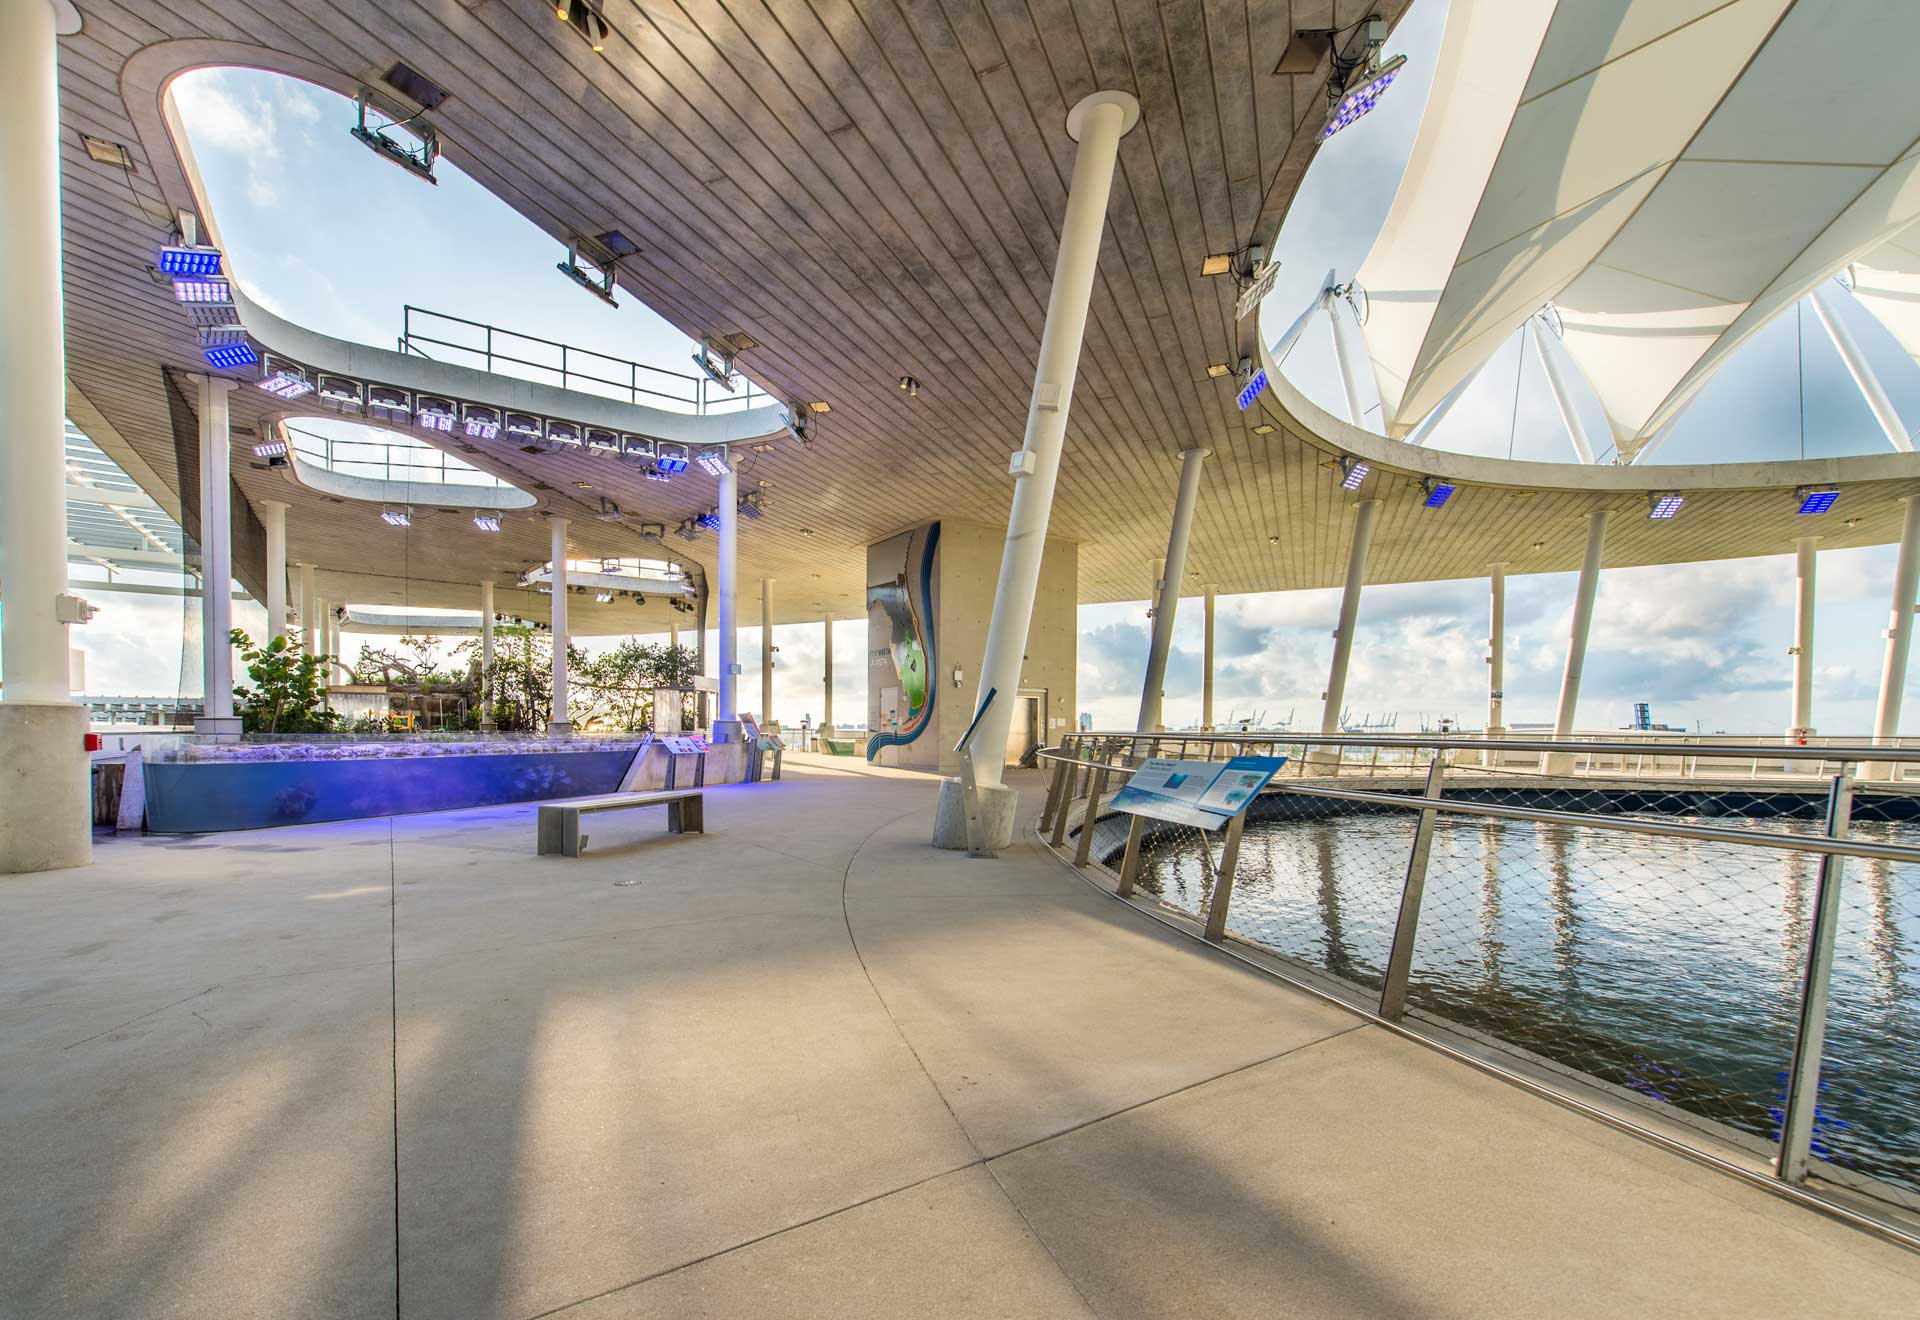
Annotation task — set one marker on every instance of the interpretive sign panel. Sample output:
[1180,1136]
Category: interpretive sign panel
[688,745]
[1203,793]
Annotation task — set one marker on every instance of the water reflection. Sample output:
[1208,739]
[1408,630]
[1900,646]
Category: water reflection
[1490,945]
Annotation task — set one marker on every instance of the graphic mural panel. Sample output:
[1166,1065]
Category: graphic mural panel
[900,638]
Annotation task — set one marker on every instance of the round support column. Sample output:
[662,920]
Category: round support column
[46,817]
[1173,572]
[1899,635]
[273,516]
[826,682]
[1803,598]
[309,609]
[216,561]
[558,724]
[1206,665]
[1497,651]
[766,652]
[487,724]
[726,719]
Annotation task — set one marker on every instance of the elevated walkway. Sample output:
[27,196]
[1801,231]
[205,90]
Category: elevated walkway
[801,1066]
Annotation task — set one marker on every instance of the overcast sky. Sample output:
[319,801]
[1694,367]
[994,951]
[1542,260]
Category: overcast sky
[327,235]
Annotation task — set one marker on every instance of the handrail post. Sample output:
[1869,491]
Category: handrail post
[1059,838]
[1084,845]
[1223,883]
[1393,988]
[1061,770]
[1130,863]
[1803,1081]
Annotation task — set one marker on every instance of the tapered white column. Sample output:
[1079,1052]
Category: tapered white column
[1893,675]
[216,560]
[826,713]
[1558,385]
[309,605]
[766,652]
[273,516]
[45,812]
[726,719]
[1097,123]
[1826,307]
[1206,665]
[1497,651]
[1350,356]
[1336,693]
[486,656]
[1166,603]
[558,723]
[1803,588]
[1560,763]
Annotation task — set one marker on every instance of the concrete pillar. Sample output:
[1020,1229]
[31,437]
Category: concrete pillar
[45,796]
[1167,595]
[1097,123]
[1560,763]
[1336,692]
[826,709]
[1497,652]
[273,516]
[309,605]
[1893,676]
[1802,724]
[1826,307]
[487,724]
[559,725]
[726,716]
[766,652]
[216,560]
[1206,665]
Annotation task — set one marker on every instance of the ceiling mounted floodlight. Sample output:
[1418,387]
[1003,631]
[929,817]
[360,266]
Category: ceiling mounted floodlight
[798,424]
[1251,390]
[566,434]
[636,448]
[388,401]
[274,448]
[709,520]
[1816,499]
[231,357]
[609,512]
[584,19]
[212,336]
[417,161]
[196,261]
[1437,493]
[435,414]
[104,152]
[524,426]
[601,440]
[595,278]
[480,421]
[910,386]
[1353,473]
[751,505]
[603,597]
[341,390]
[1362,97]
[1664,506]
[717,362]
[1215,370]
[1216,263]
[202,289]
[486,522]
[687,530]
[284,380]
[397,517]
[670,458]
[713,461]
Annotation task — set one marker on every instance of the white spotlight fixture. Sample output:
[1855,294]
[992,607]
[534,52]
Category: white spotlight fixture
[480,422]
[524,426]
[434,414]
[1352,473]
[386,401]
[340,390]
[1663,505]
[596,279]
[600,440]
[283,380]
[274,448]
[910,387]
[717,363]
[564,434]
[603,597]
[397,517]
[1361,97]
[713,461]
[486,522]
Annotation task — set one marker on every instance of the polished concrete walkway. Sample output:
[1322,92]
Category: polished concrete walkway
[802,1066]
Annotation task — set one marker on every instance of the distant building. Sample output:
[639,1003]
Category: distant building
[1086,721]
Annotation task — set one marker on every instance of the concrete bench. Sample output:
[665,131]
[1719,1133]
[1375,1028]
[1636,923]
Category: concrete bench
[560,821]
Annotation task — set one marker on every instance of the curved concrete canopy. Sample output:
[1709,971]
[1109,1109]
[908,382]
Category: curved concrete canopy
[1669,174]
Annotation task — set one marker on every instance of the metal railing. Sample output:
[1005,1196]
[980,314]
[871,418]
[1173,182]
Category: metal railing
[1679,947]
[550,362]
[421,464]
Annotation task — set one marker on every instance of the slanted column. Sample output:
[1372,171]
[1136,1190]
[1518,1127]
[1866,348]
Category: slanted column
[309,607]
[1826,307]
[1350,356]
[1803,565]
[1497,652]
[826,709]
[558,724]
[487,724]
[1167,595]
[273,516]
[766,652]
[45,811]
[1559,386]
[1097,123]
[1206,665]
[726,719]
[216,560]
[1893,675]
[1336,693]
[1560,763]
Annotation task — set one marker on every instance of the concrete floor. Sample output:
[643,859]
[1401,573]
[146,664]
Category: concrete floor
[801,1066]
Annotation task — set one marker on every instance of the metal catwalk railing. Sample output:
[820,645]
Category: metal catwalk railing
[1728,968]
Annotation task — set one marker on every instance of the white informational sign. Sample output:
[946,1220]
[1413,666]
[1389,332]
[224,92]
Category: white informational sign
[1203,793]
[684,744]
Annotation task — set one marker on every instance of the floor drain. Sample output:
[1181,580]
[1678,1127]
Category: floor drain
[623,883]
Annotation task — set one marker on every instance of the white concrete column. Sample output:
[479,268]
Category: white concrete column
[1826,307]
[486,656]
[309,604]
[1893,676]
[559,724]
[1803,552]
[1560,763]
[1206,665]
[1097,123]
[216,559]
[1336,692]
[1166,603]
[273,516]
[1497,652]
[1558,386]
[726,717]
[766,652]
[45,796]
[826,711]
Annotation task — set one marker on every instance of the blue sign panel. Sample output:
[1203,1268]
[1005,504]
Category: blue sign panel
[1203,793]
[1254,386]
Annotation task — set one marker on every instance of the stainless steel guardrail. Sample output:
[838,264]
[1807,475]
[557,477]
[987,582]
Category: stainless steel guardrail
[1669,878]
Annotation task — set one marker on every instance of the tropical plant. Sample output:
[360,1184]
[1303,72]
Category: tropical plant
[286,693]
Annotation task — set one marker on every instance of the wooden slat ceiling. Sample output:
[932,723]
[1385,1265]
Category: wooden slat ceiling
[868,188]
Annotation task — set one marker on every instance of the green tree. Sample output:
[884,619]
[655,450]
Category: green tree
[285,694]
